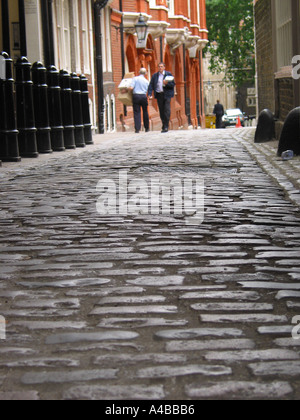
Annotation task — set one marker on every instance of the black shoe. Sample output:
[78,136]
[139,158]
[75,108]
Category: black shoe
[137,131]
[147,131]
[165,130]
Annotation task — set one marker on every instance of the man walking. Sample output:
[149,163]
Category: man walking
[219,112]
[140,88]
[163,84]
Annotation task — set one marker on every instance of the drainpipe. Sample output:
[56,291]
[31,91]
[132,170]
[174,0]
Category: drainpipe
[122,47]
[185,81]
[122,40]
[161,49]
[22,28]
[51,34]
[98,6]
[5,27]
[201,93]
[48,36]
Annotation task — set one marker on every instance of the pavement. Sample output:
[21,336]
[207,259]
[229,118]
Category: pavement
[148,304]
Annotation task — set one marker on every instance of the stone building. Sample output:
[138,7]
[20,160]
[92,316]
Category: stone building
[54,32]
[277,25]
[215,89]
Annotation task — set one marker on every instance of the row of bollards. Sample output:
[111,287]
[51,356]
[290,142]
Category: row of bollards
[290,133]
[51,112]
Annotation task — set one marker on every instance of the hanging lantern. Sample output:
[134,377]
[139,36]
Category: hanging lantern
[141,28]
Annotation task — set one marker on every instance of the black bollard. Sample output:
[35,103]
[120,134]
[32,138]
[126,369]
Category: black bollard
[25,109]
[41,109]
[77,111]
[9,147]
[67,109]
[265,130]
[86,110]
[290,135]
[55,111]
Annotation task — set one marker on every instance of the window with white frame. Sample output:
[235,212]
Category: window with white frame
[85,36]
[198,13]
[171,7]
[284,41]
[110,113]
[75,28]
[106,40]
[63,34]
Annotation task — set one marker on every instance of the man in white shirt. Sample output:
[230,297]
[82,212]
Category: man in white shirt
[140,87]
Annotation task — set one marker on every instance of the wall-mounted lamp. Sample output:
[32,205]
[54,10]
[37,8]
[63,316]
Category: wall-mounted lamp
[141,28]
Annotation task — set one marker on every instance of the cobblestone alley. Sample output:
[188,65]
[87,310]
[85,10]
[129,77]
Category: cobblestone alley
[148,306]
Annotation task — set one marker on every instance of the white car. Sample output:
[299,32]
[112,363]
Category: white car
[231,117]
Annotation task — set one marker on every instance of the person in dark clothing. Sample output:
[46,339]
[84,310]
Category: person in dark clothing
[219,112]
[163,84]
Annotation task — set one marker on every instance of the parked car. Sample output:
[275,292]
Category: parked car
[231,116]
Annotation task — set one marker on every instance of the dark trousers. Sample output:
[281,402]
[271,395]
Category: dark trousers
[164,105]
[138,102]
[219,121]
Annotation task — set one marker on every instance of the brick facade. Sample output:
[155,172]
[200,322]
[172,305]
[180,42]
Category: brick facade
[188,105]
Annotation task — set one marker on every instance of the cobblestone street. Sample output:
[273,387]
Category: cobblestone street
[148,306]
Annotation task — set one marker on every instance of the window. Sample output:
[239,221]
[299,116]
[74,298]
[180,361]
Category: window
[171,7]
[110,113]
[198,13]
[75,28]
[106,40]
[85,37]
[63,34]
[284,33]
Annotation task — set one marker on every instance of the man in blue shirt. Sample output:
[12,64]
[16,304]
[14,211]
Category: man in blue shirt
[163,86]
[140,89]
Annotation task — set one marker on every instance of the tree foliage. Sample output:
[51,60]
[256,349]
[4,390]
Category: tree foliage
[231,34]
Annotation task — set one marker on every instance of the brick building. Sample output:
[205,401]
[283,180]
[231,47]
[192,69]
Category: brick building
[277,25]
[177,34]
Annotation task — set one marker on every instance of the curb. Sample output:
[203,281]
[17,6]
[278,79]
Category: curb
[285,173]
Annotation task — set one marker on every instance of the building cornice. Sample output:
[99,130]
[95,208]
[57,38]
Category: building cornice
[131,18]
